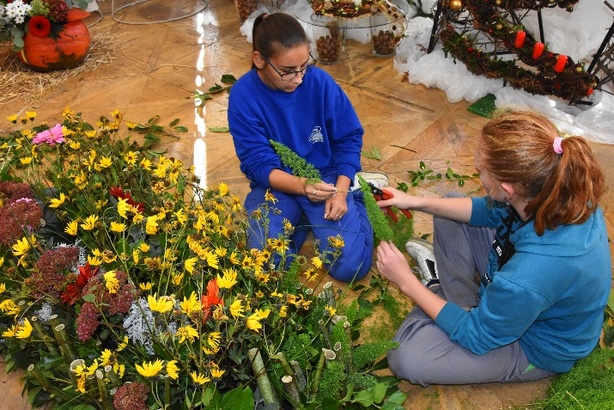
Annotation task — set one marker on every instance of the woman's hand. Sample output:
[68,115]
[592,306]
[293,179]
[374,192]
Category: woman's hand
[399,199]
[336,207]
[320,191]
[392,265]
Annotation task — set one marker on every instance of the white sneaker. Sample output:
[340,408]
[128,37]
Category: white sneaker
[378,179]
[422,252]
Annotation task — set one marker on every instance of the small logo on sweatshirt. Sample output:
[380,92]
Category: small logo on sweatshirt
[316,135]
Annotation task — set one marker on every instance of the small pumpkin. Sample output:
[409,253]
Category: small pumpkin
[67,51]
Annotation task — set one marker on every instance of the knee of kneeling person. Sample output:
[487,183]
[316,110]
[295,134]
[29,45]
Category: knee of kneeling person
[405,365]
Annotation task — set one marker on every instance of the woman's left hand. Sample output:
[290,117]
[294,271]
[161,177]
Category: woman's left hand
[335,207]
[392,264]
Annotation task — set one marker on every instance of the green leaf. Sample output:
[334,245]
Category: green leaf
[238,398]
[216,89]
[208,395]
[153,120]
[32,393]
[218,129]
[89,298]
[204,97]
[330,404]
[228,79]
[364,397]
[174,122]
[402,186]
[392,406]
[373,153]
[397,397]
[379,392]
[10,366]
[180,128]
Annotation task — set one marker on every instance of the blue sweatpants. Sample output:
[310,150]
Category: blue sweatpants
[304,215]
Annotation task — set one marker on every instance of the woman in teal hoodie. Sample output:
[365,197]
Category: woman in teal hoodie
[515,286]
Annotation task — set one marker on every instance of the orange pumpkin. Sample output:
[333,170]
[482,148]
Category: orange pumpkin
[67,51]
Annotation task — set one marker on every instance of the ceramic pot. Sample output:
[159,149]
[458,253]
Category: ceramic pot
[68,50]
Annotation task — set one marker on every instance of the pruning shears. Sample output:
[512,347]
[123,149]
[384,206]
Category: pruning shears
[379,195]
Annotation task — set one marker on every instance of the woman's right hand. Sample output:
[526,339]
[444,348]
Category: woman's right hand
[399,199]
[320,191]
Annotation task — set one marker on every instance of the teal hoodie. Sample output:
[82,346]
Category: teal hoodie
[550,295]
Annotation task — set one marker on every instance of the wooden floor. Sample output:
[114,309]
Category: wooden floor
[158,66]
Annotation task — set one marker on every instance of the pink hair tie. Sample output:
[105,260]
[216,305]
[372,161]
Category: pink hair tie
[558,148]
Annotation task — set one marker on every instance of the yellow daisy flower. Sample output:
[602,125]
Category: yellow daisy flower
[228,280]
[190,305]
[90,223]
[187,333]
[253,320]
[199,378]
[236,308]
[172,370]
[162,304]
[24,330]
[150,369]
[145,286]
[117,227]
[111,282]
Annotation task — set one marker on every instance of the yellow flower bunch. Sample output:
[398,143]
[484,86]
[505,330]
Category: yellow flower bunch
[140,281]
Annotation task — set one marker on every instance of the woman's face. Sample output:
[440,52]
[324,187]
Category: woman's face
[286,62]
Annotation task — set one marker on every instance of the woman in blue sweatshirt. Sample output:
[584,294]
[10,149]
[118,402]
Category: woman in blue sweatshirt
[516,285]
[285,98]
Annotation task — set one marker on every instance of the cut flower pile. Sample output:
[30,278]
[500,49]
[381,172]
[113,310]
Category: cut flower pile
[125,285]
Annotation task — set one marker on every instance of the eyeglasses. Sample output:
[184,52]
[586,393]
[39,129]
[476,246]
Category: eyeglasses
[291,75]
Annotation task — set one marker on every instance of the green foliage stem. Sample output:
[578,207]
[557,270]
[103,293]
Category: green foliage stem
[297,164]
[382,230]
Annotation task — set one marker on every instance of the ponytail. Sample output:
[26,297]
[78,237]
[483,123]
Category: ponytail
[559,177]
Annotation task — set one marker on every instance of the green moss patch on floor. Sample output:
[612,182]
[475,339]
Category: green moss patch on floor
[588,386]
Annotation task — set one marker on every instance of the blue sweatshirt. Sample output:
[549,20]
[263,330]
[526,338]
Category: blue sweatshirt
[317,121]
[550,294]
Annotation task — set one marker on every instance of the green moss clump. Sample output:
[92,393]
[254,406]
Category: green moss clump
[368,353]
[588,386]
[333,380]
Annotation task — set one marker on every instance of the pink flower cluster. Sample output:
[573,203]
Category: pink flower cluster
[51,136]
[131,396]
[113,303]
[20,213]
[53,271]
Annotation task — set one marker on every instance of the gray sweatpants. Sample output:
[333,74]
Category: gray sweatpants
[426,354]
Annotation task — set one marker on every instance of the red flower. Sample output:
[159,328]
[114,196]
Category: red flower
[118,192]
[211,298]
[73,290]
[39,26]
